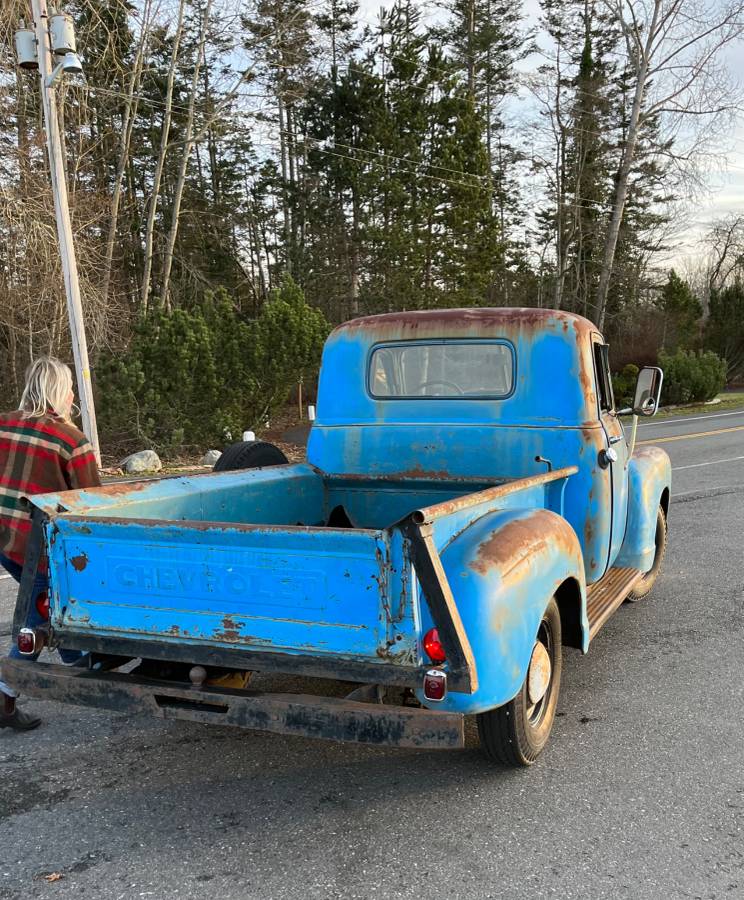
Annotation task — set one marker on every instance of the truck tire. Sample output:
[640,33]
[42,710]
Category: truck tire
[516,733]
[250,455]
[643,587]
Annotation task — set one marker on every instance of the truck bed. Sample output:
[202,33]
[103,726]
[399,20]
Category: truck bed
[282,567]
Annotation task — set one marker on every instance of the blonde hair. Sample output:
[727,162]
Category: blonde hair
[47,390]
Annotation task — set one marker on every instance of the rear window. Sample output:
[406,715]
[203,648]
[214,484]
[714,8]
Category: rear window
[443,369]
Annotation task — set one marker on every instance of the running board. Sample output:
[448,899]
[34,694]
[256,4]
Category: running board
[604,596]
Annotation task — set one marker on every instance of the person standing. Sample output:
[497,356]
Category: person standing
[41,451]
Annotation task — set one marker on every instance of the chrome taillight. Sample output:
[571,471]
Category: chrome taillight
[26,641]
[435,685]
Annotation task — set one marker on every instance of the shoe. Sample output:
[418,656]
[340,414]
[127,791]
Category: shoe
[19,720]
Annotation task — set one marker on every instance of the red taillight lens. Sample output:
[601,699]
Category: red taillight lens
[42,605]
[435,685]
[433,646]
[26,641]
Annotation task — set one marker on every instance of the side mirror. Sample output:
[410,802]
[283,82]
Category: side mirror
[648,391]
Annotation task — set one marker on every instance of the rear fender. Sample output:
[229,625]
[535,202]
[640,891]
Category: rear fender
[649,486]
[503,570]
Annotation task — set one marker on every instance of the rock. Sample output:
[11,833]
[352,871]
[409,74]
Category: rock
[144,461]
[210,457]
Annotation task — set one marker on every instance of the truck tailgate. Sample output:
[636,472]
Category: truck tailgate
[302,590]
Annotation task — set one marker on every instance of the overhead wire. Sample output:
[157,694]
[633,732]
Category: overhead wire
[332,152]
[387,55]
[320,148]
[582,203]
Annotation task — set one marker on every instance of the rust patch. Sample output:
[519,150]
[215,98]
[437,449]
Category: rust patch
[650,452]
[230,631]
[198,525]
[521,538]
[79,562]
[115,489]
[529,315]
[429,513]
[122,488]
[419,472]
[591,435]
[588,531]
[478,321]
[371,478]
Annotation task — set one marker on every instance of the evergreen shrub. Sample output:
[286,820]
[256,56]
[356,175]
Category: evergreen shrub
[197,377]
[623,385]
[691,376]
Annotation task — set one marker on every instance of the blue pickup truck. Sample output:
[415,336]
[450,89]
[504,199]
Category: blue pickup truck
[470,505]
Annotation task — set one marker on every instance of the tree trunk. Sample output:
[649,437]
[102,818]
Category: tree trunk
[470,46]
[188,146]
[620,196]
[150,227]
[283,153]
[643,54]
[560,184]
[127,127]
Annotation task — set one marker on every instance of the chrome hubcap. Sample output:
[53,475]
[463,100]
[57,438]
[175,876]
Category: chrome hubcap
[538,676]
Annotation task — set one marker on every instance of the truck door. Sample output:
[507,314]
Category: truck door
[615,441]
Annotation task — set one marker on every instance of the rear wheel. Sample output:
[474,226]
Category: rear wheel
[516,733]
[643,587]
[250,455]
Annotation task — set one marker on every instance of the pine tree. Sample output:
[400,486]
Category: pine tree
[485,40]
[682,312]
[281,39]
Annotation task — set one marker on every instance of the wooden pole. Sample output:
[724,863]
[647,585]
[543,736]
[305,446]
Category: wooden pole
[64,227]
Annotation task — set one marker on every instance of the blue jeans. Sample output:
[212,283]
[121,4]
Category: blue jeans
[34,619]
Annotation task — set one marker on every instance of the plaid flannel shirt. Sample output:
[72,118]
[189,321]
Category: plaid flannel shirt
[37,455]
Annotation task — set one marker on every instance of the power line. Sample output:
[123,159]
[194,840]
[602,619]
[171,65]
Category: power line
[141,98]
[332,152]
[398,158]
[382,165]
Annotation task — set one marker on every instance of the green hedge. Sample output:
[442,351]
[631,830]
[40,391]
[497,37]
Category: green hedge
[691,376]
[197,377]
[623,385]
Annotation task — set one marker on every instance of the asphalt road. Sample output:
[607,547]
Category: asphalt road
[639,795]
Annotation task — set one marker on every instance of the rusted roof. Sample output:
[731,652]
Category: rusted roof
[468,320]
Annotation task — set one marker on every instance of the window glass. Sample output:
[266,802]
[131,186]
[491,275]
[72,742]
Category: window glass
[604,379]
[442,369]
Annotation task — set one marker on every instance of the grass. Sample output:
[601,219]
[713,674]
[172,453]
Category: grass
[729,400]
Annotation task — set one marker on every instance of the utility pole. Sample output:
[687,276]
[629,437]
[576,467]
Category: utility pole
[64,225]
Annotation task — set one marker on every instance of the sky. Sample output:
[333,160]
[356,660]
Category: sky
[722,193]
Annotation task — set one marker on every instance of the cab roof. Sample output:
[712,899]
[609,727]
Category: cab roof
[466,322]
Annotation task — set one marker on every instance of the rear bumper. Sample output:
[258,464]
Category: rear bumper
[295,714]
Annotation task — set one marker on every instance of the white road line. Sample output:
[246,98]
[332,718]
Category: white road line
[673,420]
[713,492]
[712,462]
